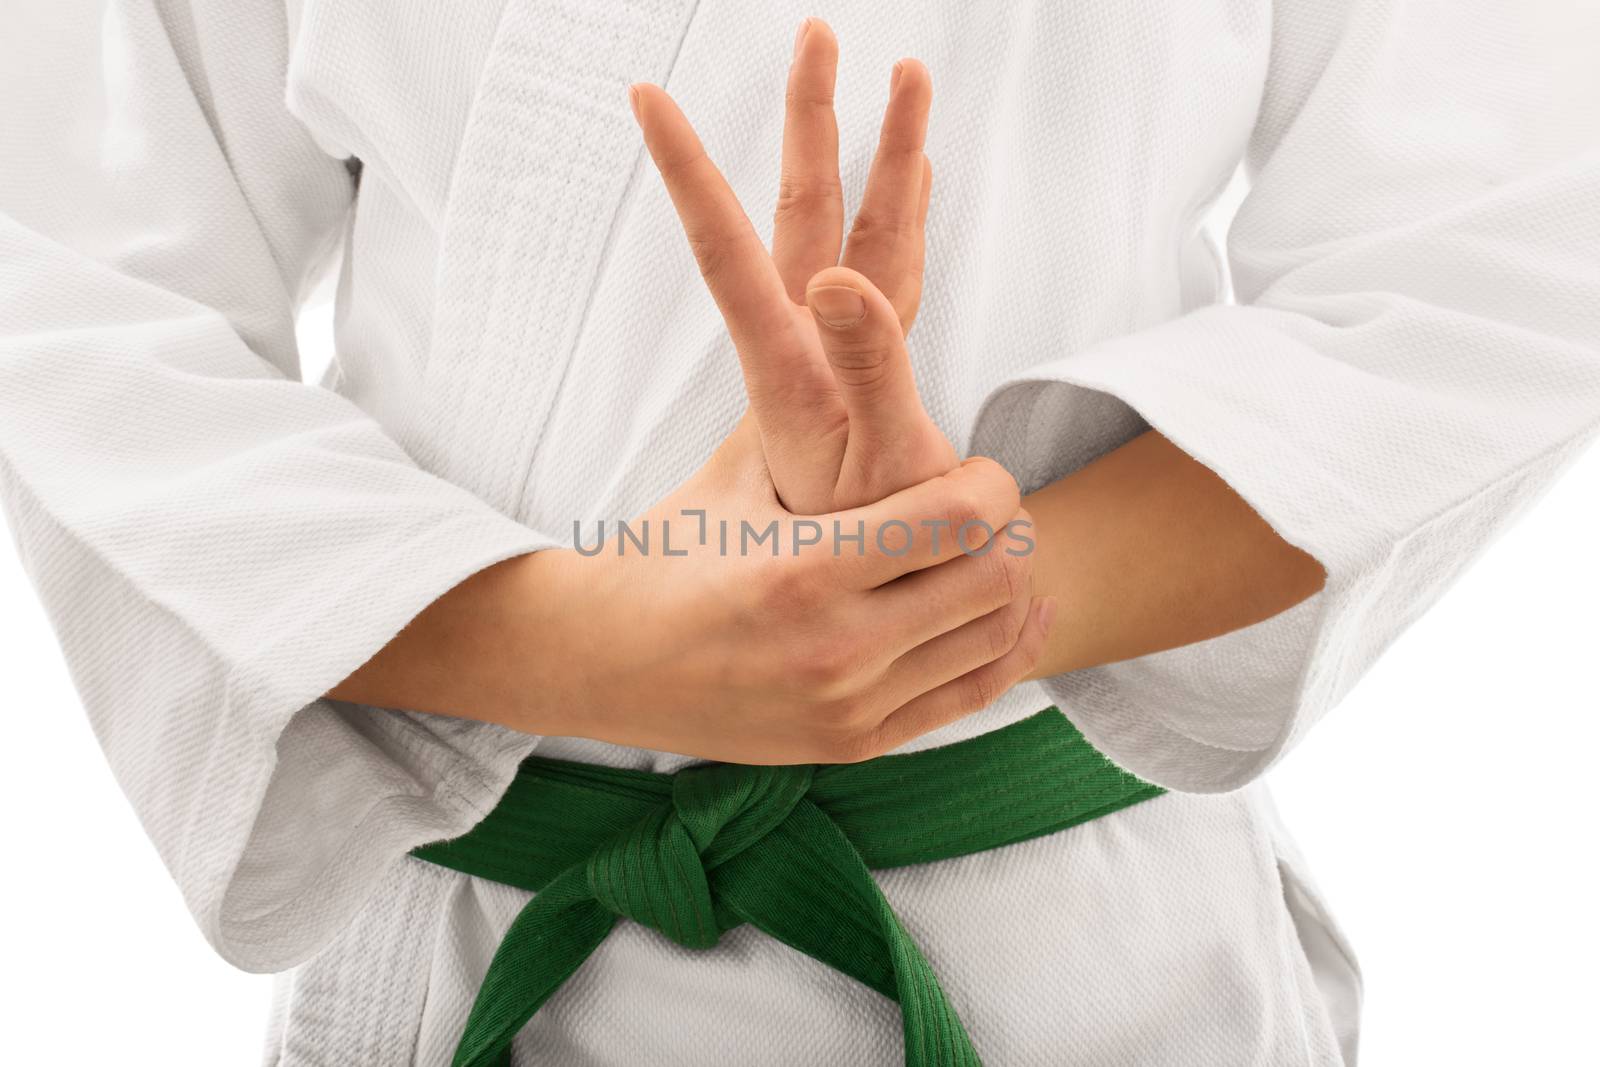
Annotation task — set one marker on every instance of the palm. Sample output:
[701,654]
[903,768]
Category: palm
[838,429]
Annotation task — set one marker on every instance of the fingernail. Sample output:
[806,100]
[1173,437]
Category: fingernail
[894,75]
[1047,612]
[836,305]
[800,36]
[633,101]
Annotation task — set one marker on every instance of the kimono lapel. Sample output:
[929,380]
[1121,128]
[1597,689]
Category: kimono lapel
[546,159]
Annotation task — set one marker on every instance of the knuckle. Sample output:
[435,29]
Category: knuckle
[882,226]
[979,689]
[1015,571]
[826,666]
[845,716]
[960,510]
[859,367]
[820,95]
[987,470]
[806,191]
[787,588]
[982,466]
[857,344]
[853,745]
[998,581]
[1003,633]
[713,254]
[681,167]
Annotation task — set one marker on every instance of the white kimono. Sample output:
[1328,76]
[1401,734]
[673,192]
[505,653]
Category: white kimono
[523,342]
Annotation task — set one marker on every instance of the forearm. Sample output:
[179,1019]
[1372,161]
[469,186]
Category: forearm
[794,657]
[481,651]
[1146,549]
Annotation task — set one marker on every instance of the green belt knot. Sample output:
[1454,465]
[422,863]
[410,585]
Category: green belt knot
[787,850]
[656,872]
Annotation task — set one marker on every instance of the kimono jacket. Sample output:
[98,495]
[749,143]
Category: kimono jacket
[1397,350]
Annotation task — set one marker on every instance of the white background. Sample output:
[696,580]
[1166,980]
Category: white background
[1446,808]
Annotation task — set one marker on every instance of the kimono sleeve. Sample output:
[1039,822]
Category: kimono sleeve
[216,542]
[1413,357]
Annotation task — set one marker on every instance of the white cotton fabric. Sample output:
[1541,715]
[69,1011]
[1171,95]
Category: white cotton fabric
[523,342]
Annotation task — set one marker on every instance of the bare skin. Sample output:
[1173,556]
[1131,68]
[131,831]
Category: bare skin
[808,657]
[1147,549]
[817,657]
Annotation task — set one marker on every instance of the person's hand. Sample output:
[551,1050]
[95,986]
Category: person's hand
[715,637]
[821,339]
[817,657]
[731,644]
[746,649]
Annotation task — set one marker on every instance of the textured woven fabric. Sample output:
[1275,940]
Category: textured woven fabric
[786,849]
[523,342]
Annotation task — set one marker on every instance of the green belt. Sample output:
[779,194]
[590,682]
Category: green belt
[785,849]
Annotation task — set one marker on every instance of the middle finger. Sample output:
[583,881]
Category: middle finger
[808,227]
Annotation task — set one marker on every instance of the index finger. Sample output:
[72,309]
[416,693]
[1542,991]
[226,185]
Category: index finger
[737,269]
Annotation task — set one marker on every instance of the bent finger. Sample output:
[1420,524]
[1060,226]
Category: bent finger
[973,691]
[915,528]
[866,350]
[934,601]
[950,655]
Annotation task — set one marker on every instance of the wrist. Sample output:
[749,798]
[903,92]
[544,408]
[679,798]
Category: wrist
[519,657]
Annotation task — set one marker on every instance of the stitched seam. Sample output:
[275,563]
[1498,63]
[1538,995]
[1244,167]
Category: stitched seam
[607,251]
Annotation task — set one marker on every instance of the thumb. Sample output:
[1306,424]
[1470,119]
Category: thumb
[866,349]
